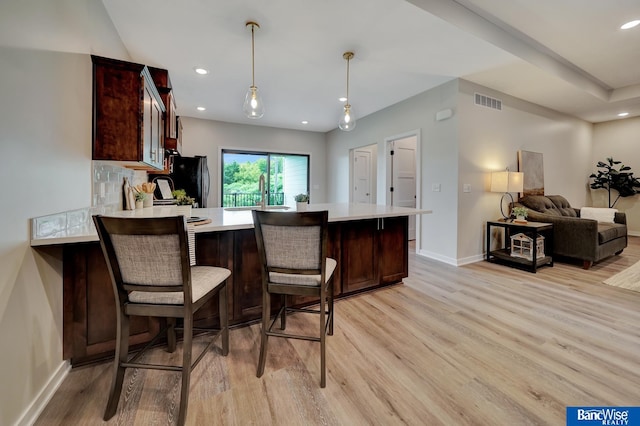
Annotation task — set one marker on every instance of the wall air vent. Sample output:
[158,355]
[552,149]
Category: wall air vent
[487,101]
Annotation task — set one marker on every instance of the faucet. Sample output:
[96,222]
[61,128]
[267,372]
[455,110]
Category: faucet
[261,188]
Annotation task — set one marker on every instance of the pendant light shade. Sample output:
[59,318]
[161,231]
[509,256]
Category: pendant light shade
[347,119]
[253,106]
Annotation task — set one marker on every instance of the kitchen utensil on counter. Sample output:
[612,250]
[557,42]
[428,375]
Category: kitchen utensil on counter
[129,198]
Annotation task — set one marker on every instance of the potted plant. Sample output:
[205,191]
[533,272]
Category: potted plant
[608,177]
[184,203]
[520,213]
[301,201]
[140,197]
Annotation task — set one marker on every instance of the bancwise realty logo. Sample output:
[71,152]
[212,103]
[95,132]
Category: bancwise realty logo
[603,416]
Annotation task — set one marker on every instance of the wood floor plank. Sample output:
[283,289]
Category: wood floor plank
[482,344]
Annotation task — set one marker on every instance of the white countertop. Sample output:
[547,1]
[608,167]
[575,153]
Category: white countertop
[227,220]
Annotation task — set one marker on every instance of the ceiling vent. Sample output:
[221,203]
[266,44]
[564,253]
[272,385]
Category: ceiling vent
[487,101]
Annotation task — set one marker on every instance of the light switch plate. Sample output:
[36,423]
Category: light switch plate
[466,187]
[435,187]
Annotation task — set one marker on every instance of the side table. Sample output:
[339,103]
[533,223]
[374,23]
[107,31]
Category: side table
[530,229]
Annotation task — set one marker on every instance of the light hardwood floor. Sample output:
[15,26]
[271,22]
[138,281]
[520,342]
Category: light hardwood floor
[482,344]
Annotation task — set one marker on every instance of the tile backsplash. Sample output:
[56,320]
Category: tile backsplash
[65,222]
[107,181]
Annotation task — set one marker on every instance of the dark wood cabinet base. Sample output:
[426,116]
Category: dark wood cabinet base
[371,253]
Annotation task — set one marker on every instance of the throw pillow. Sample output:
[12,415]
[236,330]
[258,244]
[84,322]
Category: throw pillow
[600,214]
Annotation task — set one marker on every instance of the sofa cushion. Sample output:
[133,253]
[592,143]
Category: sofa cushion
[541,204]
[563,205]
[610,231]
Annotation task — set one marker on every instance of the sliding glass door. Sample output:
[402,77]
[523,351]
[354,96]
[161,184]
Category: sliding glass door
[285,176]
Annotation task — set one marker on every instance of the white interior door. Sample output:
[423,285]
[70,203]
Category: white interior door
[403,172]
[361,176]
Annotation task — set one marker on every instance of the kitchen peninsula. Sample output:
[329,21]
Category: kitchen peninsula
[369,241]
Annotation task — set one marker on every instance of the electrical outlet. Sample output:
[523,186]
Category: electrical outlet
[466,187]
[435,187]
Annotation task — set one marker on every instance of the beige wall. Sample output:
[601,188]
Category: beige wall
[438,148]
[489,141]
[619,139]
[464,149]
[61,26]
[45,117]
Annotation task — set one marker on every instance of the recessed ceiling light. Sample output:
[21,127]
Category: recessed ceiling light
[201,108]
[201,71]
[305,122]
[623,114]
[630,24]
[342,99]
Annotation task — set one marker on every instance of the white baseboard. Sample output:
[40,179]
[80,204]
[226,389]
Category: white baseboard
[449,260]
[438,257]
[33,411]
[474,258]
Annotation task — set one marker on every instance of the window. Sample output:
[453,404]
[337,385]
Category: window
[285,176]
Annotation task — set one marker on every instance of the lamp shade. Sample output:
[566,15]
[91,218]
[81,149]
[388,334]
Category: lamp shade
[506,181]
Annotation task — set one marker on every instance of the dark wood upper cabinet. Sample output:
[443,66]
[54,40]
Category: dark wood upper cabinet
[128,115]
[163,84]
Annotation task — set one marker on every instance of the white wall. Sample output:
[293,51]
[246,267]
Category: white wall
[205,137]
[490,140]
[618,139]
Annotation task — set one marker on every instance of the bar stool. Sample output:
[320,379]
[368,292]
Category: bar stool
[151,273]
[293,252]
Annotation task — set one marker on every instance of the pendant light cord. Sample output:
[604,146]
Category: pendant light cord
[253,73]
[348,60]
[348,56]
[253,51]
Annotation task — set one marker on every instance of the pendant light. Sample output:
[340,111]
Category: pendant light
[253,106]
[347,119]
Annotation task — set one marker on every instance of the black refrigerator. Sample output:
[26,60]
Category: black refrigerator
[192,175]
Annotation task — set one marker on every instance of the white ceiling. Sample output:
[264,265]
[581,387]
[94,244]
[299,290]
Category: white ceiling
[568,55]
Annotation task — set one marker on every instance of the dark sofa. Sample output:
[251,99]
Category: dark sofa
[573,236]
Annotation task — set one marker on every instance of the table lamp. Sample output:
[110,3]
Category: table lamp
[506,182]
